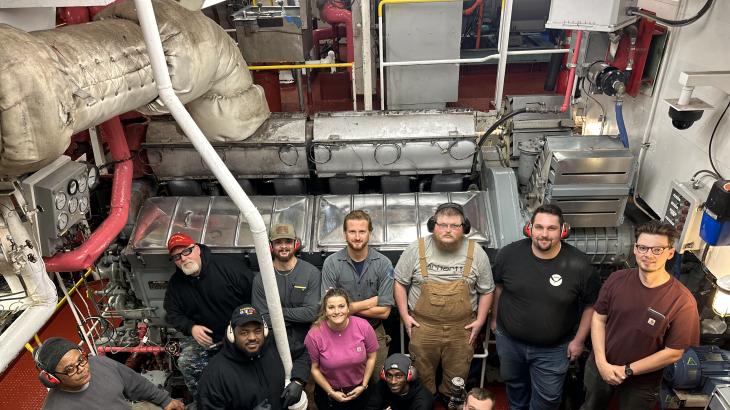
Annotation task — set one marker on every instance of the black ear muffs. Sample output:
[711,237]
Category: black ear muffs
[564,230]
[231,338]
[431,223]
[46,378]
[297,246]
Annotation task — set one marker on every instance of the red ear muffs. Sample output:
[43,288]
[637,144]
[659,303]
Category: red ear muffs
[564,231]
[409,377]
[48,380]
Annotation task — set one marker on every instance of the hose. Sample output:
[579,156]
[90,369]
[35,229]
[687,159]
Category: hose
[635,11]
[623,135]
[486,134]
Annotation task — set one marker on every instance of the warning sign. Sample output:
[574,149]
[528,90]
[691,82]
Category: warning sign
[691,362]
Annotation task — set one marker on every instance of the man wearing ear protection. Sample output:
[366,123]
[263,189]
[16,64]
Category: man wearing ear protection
[80,382]
[399,387]
[443,289]
[200,296]
[248,372]
[546,289]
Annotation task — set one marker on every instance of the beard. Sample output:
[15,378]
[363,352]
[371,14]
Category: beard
[190,268]
[284,259]
[447,246]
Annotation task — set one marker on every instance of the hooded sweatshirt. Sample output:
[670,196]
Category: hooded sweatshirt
[224,283]
[235,379]
[417,398]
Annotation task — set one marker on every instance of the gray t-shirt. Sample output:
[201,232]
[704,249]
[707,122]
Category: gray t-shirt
[442,268]
[111,385]
[298,291]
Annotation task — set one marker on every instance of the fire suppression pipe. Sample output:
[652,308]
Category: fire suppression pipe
[86,254]
[571,77]
[338,14]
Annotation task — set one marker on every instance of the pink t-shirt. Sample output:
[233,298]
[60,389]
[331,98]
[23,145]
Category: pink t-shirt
[342,355]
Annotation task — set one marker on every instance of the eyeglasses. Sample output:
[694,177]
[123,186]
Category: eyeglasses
[452,226]
[185,252]
[655,250]
[72,369]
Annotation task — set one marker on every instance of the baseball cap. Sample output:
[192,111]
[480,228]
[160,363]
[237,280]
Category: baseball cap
[282,231]
[52,351]
[177,240]
[397,361]
[245,314]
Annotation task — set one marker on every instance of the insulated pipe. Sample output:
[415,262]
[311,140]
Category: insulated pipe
[151,34]
[85,255]
[569,88]
[339,15]
[41,291]
[367,56]
[502,49]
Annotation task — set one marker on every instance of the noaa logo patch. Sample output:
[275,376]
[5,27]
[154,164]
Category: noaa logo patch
[556,280]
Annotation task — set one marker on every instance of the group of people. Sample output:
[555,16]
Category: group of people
[544,297]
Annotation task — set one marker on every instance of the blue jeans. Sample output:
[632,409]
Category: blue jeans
[534,375]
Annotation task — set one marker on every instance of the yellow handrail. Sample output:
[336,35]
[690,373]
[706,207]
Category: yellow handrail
[296,66]
[384,2]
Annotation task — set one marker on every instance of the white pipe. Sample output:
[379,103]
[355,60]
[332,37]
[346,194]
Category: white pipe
[685,95]
[503,48]
[484,59]
[74,311]
[381,58]
[367,56]
[41,290]
[147,21]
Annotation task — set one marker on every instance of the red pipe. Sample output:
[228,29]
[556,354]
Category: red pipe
[86,254]
[571,76]
[470,9]
[333,15]
[480,20]
[134,349]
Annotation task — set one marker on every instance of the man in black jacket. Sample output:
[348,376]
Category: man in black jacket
[399,388]
[200,296]
[249,373]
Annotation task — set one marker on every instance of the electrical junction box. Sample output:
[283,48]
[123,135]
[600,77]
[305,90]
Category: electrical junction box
[684,209]
[590,15]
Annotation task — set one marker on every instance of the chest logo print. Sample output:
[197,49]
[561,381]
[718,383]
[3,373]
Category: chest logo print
[556,280]
[651,321]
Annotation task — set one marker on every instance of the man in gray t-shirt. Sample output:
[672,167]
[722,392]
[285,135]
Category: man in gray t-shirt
[366,275]
[443,290]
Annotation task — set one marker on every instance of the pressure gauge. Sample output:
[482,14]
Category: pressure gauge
[73,187]
[83,204]
[60,200]
[73,204]
[62,221]
[92,177]
[83,183]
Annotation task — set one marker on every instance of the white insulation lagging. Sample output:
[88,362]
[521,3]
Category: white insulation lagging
[41,291]
[151,35]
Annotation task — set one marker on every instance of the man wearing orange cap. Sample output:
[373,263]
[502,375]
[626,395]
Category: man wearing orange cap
[200,296]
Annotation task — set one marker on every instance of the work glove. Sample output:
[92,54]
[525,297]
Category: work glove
[291,395]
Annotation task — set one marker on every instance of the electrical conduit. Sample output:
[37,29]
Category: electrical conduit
[150,31]
[571,77]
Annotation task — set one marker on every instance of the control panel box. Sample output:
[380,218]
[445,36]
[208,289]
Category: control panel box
[590,15]
[684,208]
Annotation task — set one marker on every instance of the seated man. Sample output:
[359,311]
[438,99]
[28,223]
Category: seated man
[248,372]
[399,388]
[479,399]
[97,382]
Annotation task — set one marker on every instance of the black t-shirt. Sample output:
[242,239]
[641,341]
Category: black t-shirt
[542,299]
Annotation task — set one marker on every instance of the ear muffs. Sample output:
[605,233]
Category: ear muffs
[231,338]
[564,231]
[466,225]
[47,379]
[297,246]
[410,376]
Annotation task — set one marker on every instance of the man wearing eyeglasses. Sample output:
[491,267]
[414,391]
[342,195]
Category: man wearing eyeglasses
[644,321]
[443,290]
[200,296]
[78,382]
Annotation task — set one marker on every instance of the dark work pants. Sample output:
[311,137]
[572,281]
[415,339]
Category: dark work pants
[324,402]
[633,394]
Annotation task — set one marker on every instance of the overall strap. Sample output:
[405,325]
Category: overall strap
[469,258]
[422,257]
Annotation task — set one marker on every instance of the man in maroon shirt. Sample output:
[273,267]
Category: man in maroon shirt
[644,320]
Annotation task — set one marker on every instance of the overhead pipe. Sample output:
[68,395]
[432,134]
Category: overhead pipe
[503,48]
[86,254]
[41,290]
[367,56]
[569,88]
[146,15]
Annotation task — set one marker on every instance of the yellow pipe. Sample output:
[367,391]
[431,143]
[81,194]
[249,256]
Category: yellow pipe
[295,66]
[37,340]
[29,348]
[384,2]
[75,286]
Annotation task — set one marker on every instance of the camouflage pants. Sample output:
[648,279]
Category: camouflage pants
[191,362]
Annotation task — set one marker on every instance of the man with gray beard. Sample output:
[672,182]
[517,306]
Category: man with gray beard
[200,297]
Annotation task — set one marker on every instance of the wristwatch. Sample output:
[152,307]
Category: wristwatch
[628,371]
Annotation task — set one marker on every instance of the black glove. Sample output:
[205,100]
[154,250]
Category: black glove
[291,395]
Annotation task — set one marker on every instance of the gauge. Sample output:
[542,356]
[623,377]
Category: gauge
[60,200]
[62,221]
[92,177]
[83,205]
[73,187]
[73,204]
[83,183]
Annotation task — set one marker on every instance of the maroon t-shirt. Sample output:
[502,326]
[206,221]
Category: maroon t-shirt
[642,321]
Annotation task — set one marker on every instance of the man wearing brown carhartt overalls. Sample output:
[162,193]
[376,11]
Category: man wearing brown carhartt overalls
[443,289]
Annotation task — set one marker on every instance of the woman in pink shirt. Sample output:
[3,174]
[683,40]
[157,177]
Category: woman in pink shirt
[343,350]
